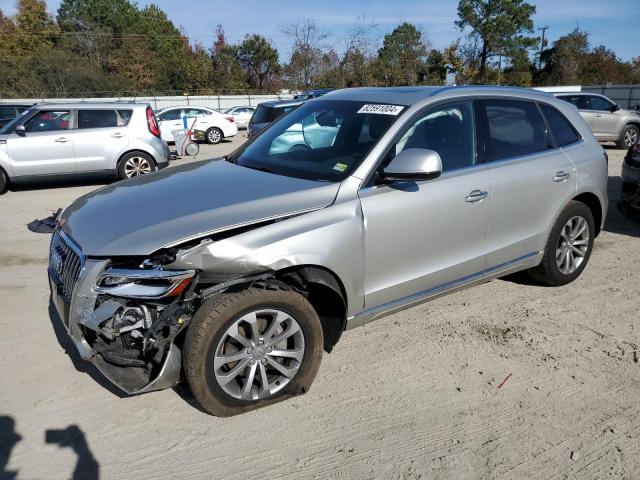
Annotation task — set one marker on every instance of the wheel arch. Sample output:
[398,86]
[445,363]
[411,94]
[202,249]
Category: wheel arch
[134,150]
[326,293]
[592,201]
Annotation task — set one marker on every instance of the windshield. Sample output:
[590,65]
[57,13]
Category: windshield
[11,126]
[322,140]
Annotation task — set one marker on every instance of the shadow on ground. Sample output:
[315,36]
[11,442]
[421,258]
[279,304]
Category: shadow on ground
[87,467]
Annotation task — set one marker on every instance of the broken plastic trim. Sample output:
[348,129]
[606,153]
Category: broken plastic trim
[144,284]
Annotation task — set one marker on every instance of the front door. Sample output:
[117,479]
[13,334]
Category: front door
[427,235]
[605,123]
[170,120]
[46,147]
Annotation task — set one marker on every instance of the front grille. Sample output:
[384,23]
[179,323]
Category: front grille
[65,260]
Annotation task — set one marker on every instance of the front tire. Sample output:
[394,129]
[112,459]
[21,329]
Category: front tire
[568,248]
[134,164]
[628,137]
[214,136]
[252,348]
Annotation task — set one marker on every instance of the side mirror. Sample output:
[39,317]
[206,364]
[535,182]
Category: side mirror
[615,107]
[414,164]
[20,130]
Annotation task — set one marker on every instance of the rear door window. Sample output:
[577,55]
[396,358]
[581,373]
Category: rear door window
[561,129]
[7,112]
[515,128]
[97,119]
[580,101]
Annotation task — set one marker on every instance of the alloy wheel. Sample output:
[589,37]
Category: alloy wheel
[214,136]
[259,354]
[573,245]
[136,166]
[630,137]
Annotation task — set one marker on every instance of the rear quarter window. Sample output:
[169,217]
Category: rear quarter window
[124,116]
[562,131]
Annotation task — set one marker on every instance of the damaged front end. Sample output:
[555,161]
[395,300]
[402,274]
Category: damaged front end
[126,318]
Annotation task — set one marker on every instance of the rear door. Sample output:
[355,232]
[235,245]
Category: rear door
[531,181]
[46,147]
[100,137]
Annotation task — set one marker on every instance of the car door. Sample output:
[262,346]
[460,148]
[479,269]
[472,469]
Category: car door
[170,120]
[605,123]
[425,236]
[199,119]
[100,137]
[45,147]
[531,181]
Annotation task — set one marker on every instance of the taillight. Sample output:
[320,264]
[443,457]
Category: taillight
[152,123]
[231,119]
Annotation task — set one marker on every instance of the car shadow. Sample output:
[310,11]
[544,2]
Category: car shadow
[86,468]
[616,222]
[62,183]
[79,364]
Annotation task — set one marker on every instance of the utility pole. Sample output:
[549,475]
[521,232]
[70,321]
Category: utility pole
[544,29]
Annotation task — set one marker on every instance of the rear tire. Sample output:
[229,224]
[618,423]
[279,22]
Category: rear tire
[213,136]
[134,164]
[4,181]
[275,338]
[568,248]
[628,137]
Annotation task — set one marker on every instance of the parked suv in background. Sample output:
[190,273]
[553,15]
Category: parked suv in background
[269,112]
[265,258]
[607,121]
[81,139]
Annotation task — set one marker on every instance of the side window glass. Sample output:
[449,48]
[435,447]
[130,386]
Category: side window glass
[49,121]
[580,101]
[562,130]
[515,128]
[196,112]
[448,130]
[171,115]
[599,103]
[97,119]
[7,112]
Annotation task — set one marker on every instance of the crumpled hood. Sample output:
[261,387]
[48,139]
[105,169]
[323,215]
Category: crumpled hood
[141,215]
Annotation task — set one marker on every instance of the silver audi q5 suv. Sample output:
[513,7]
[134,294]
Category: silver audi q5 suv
[382,199]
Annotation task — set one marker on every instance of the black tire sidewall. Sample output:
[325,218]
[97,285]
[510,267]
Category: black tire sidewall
[213,398]
[206,135]
[120,170]
[4,181]
[572,210]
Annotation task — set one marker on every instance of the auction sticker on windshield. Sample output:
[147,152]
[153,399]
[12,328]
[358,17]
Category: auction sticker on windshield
[381,109]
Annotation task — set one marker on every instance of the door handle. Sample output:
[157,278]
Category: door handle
[560,176]
[62,140]
[476,196]
[117,135]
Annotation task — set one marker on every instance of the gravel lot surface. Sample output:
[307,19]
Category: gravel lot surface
[414,395]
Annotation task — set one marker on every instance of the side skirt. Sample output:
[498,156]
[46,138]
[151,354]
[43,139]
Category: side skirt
[368,315]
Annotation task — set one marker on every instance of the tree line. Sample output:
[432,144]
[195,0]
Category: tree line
[113,47]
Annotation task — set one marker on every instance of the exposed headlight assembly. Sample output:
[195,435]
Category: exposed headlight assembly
[149,284]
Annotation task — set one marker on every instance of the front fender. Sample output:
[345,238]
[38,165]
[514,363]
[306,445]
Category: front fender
[329,237]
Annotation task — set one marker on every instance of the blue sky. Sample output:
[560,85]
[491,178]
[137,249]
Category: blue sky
[614,23]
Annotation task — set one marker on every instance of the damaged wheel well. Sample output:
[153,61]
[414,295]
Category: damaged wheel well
[325,292]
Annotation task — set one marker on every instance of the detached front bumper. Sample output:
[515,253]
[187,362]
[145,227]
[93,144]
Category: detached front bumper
[131,380]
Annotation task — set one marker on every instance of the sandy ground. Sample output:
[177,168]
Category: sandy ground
[414,395]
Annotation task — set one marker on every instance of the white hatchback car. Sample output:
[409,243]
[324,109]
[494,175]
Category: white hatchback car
[215,124]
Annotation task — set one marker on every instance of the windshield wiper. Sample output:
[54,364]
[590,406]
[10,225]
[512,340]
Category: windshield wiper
[262,169]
